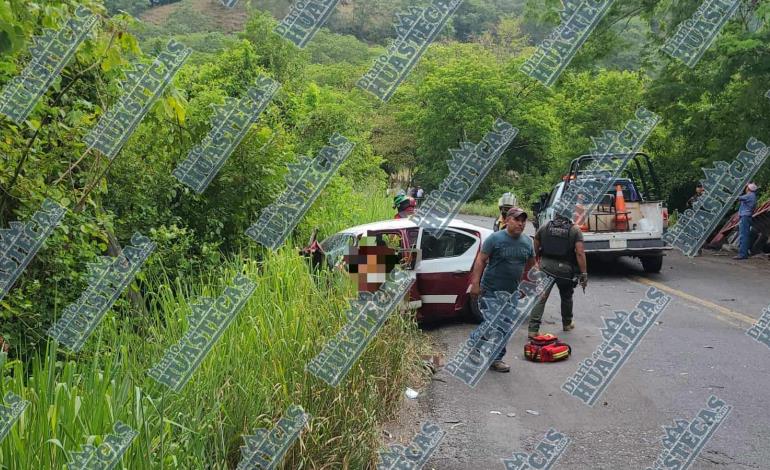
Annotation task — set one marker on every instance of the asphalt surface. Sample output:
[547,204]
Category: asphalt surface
[698,348]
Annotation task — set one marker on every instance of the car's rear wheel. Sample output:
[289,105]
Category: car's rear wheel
[652,264]
[472,312]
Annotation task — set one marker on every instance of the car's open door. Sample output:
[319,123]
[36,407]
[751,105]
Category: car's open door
[444,270]
[405,241]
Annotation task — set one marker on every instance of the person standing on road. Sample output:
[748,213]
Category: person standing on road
[505,203]
[699,190]
[748,204]
[560,254]
[404,205]
[504,258]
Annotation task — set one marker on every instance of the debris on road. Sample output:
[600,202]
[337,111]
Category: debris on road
[533,412]
[412,394]
[495,412]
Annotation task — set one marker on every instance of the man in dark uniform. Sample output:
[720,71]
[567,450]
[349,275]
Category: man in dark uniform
[560,253]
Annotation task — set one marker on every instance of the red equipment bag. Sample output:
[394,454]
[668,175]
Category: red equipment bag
[546,348]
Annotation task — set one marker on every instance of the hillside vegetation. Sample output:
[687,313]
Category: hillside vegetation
[466,80]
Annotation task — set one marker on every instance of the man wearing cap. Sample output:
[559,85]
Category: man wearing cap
[748,204]
[504,257]
[560,253]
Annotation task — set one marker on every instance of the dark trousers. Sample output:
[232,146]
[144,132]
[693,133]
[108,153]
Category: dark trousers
[566,289]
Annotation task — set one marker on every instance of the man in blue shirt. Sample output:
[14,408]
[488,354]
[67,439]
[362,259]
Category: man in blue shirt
[504,257]
[748,204]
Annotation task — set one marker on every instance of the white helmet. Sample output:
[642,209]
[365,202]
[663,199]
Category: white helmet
[507,199]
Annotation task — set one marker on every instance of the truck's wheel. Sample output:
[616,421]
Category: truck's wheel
[652,264]
[472,312]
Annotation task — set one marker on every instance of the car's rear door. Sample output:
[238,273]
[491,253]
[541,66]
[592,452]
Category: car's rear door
[443,273]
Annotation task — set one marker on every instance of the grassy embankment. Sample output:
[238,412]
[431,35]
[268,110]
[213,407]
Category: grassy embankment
[247,381]
[486,209]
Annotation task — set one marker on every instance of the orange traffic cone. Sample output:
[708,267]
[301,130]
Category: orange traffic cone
[621,217]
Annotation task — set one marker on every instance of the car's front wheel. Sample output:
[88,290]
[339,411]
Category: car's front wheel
[472,312]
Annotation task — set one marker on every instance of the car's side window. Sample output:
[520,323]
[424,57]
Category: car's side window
[450,244]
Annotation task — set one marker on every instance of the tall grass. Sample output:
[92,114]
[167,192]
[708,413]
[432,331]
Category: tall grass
[248,379]
[483,208]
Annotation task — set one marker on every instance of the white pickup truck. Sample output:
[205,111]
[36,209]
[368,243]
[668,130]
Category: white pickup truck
[604,230]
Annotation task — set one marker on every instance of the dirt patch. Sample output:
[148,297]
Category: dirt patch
[227,20]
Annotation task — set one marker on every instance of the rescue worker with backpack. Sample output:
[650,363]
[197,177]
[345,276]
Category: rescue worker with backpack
[560,253]
[506,202]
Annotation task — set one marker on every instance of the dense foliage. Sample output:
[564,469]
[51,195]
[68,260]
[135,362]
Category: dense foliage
[462,84]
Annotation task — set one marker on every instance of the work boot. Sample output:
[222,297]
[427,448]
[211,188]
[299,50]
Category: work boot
[569,327]
[500,366]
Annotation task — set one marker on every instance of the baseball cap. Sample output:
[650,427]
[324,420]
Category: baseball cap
[516,212]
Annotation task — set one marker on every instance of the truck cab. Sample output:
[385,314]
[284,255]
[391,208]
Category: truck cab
[635,231]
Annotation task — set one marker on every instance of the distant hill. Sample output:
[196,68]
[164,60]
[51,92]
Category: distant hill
[198,16]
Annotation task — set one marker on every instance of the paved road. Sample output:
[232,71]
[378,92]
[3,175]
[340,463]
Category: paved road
[699,348]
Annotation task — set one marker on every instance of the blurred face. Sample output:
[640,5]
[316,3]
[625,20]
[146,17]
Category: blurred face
[515,226]
[699,190]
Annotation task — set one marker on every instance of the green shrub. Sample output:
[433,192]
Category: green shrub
[253,373]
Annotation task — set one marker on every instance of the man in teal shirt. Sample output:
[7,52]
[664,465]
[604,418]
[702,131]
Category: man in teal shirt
[504,257]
